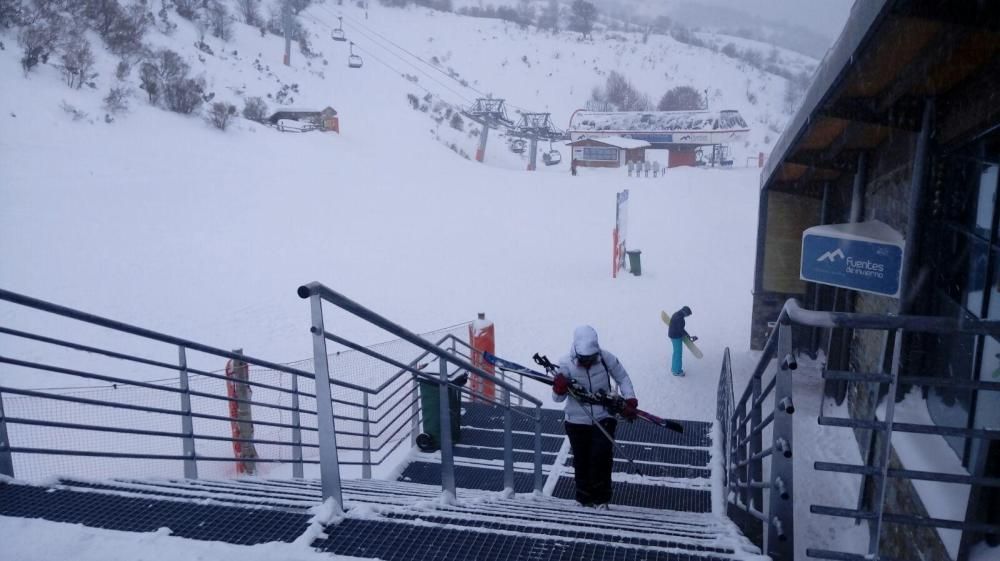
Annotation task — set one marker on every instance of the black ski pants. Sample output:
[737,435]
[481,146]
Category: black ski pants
[593,457]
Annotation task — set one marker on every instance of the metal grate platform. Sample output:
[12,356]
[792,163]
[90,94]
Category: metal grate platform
[467,477]
[487,416]
[189,519]
[494,439]
[403,542]
[648,496]
[490,453]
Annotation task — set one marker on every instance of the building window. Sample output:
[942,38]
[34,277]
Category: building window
[966,257]
[600,154]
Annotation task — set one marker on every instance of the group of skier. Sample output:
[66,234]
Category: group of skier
[588,370]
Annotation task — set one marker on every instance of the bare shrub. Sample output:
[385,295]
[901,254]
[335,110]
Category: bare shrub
[220,114]
[250,11]
[116,102]
[681,98]
[77,62]
[255,109]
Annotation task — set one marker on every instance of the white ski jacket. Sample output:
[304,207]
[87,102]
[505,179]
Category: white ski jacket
[594,379]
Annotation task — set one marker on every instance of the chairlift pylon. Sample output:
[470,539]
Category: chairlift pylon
[353,60]
[338,33]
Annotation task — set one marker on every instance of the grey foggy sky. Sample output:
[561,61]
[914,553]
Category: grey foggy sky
[822,16]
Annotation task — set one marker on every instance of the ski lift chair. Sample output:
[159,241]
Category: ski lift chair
[552,157]
[353,60]
[518,146]
[338,33]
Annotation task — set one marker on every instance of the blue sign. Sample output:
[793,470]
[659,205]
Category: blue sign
[850,261]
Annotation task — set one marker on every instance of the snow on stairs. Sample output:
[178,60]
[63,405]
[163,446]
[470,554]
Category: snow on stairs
[409,521]
[675,467]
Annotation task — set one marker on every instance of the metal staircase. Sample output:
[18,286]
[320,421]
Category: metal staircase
[503,491]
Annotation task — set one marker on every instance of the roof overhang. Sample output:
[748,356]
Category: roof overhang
[891,57]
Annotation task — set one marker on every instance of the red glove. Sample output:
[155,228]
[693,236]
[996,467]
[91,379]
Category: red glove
[560,385]
[631,409]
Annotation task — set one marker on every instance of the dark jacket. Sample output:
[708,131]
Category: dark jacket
[676,330]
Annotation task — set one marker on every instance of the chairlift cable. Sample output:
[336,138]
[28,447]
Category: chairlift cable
[407,51]
[374,41]
[371,55]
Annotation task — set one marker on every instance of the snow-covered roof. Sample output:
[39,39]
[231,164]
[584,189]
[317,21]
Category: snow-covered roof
[617,142]
[656,121]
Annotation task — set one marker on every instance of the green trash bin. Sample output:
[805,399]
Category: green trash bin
[634,262]
[430,405]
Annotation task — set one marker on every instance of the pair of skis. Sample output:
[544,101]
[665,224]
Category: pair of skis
[615,404]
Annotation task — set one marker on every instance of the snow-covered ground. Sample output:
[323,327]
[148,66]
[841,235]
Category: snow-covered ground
[158,220]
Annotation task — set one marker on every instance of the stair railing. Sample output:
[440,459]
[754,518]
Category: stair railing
[329,461]
[744,424]
[153,417]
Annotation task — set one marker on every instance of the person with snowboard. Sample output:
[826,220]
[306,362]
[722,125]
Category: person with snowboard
[591,427]
[677,333]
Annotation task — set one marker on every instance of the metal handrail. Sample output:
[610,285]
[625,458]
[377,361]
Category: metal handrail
[744,452]
[145,333]
[348,305]
[317,294]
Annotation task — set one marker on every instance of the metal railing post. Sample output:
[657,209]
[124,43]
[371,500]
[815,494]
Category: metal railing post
[329,463]
[6,459]
[742,443]
[508,444]
[366,439]
[756,445]
[297,469]
[884,450]
[414,411]
[780,511]
[447,454]
[539,479]
[187,422]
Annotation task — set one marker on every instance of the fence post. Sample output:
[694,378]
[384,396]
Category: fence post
[539,480]
[329,463]
[187,422]
[414,410]
[297,471]
[366,439]
[885,449]
[447,454]
[6,459]
[508,443]
[780,512]
[756,444]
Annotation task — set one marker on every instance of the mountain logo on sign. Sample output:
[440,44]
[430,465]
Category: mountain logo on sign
[831,256]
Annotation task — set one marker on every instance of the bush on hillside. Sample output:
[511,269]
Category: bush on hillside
[38,40]
[116,102]
[620,94]
[12,14]
[220,114]
[681,98]
[255,109]
[250,11]
[76,62]
[220,23]
[184,96]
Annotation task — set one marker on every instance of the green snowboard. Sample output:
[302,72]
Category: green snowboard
[687,340]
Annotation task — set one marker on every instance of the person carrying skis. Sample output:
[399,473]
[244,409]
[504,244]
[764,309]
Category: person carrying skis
[677,333]
[591,427]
